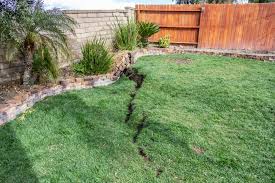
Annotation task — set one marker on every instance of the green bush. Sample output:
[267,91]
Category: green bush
[45,67]
[145,30]
[126,36]
[96,58]
[164,42]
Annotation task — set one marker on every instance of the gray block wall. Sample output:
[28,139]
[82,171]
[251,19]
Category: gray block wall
[9,70]
[91,23]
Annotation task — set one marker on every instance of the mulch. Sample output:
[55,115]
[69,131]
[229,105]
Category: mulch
[9,90]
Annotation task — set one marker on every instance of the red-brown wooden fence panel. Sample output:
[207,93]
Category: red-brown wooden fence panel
[180,22]
[222,26]
[242,26]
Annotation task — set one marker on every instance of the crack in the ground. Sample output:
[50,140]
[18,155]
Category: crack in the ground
[140,127]
[133,75]
[159,172]
[130,107]
[143,154]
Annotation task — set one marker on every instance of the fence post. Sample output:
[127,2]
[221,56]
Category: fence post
[137,13]
[200,26]
[130,13]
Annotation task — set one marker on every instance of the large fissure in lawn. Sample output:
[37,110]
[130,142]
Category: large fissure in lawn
[140,127]
[133,75]
[138,78]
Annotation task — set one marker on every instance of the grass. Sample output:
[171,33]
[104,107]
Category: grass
[211,120]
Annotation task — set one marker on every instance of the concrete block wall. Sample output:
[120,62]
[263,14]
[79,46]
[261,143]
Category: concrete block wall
[9,70]
[96,23]
[91,23]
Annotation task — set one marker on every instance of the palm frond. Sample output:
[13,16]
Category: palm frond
[146,30]
[31,27]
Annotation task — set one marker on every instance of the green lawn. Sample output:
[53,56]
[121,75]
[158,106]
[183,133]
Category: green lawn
[210,119]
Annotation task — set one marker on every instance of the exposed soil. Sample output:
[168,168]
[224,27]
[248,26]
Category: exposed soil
[133,75]
[198,150]
[67,72]
[138,79]
[159,172]
[11,90]
[140,127]
[179,61]
[143,154]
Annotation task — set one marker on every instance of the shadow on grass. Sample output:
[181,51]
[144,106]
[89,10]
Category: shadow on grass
[15,166]
[98,124]
[161,134]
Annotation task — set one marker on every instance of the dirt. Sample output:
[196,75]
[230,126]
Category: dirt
[133,75]
[140,127]
[67,72]
[179,61]
[143,154]
[198,150]
[159,172]
[11,90]
[138,79]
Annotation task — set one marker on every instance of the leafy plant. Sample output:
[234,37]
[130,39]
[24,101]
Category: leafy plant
[126,36]
[44,65]
[26,27]
[164,42]
[145,30]
[96,58]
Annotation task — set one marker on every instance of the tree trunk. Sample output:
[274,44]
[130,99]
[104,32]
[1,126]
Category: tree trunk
[28,68]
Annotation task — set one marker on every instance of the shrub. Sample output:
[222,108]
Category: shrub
[96,58]
[45,67]
[164,42]
[126,36]
[145,30]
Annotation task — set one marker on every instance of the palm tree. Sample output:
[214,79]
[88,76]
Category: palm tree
[26,27]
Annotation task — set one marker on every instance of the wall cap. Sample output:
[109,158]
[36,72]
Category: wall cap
[94,11]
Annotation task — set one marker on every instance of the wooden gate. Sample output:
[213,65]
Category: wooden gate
[180,22]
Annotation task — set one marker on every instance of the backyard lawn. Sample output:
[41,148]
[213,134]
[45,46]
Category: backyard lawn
[195,118]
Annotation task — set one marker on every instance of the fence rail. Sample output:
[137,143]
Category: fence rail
[222,26]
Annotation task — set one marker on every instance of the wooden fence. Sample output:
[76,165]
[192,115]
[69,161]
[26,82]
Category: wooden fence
[221,26]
